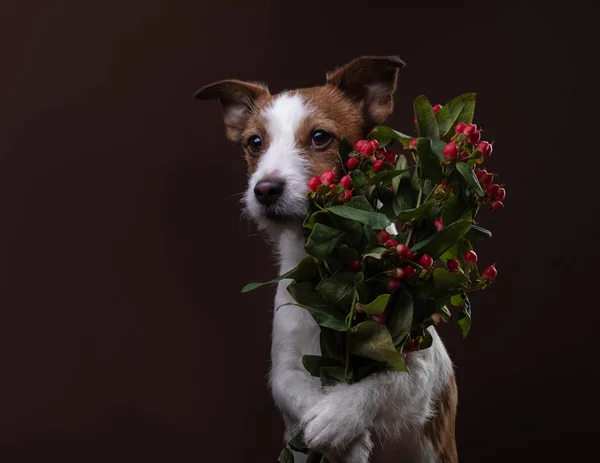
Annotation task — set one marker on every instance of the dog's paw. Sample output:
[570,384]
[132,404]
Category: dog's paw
[359,451]
[334,422]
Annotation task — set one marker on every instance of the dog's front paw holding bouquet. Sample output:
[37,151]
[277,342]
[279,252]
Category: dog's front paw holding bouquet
[376,233]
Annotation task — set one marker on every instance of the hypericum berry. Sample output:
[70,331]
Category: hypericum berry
[346,196]
[460,127]
[352,163]
[397,273]
[410,255]
[359,144]
[490,273]
[367,147]
[412,143]
[390,157]
[402,250]
[390,243]
[444,184]
[382,318]
[426,261]
[393,284]
[382,236]
[380,154]
[378,165]
[346,181]
[492,190]
[497,205]
[471,257]
[436,107]
[436,318]
[415,118]
[486,178]
[475,137]
[453,265]
[439,226]
[500,194]
[355,266]
[358,308]
[314,183]
[469,129]
[374,144]
[485,148]
[412,345]
[481,172]
[463,155]
[450,150]
[327,177]
[409,271]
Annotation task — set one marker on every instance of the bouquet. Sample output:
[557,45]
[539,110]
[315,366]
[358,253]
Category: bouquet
[390,246]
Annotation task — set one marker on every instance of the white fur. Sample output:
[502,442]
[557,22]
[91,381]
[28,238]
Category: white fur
[342,420]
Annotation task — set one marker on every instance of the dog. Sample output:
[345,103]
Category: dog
[287,138]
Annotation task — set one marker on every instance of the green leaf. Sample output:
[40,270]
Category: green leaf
[359,179]
[331,375]
[378,306]
[325,315]
[306,270]
[331,343]
[360,202]
[385,176]
[338,289]
[344,149]
[312,363]
[460,109]
[375,220]
[445,313]
[385,135]
[478,233]
[322,241]
[456,206]
[424,210]
[464,321]
[429,162]
[446,281]
[470,177]
[427,126]
[286,456]
[377,252]
[372,340]
[457,300]
[401,164]
[399,321]
[437,243]
[457,251]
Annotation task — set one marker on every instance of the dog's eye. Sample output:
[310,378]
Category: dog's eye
[320,138]
[254,144]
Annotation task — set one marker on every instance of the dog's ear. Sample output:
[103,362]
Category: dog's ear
[370,80]
[237,99]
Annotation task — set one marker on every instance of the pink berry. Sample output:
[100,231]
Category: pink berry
[485,148]
[460,127]
[393,284]
[438,225]
[497,205]
[346,181]
[475,137]
[426,261]
[450,150]
[481,172]
[327,177]
[382,236]
[471,257]
[409,271]
[374,144]
[412,143]
[469,129]
[346,196]
[492,190]
[436,108]
[359,144]
[490,273]
[486,178]
[351,163]
[355,266]
[410,255]
[359,308]
[453,265]
[378,165]
[390,243]
[436,318]
[314,183]
[500,194]
[397,273]
[402,250]
[380,154]
[382,317]
[390,157]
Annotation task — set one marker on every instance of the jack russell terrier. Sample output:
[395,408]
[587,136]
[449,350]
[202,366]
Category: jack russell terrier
[286,139]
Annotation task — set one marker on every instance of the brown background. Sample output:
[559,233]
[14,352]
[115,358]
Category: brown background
[122,330]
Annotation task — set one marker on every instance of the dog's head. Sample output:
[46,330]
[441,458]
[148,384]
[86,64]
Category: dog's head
[293,135]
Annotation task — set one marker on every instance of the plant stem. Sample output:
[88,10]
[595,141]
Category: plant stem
[349,325]
[410,233]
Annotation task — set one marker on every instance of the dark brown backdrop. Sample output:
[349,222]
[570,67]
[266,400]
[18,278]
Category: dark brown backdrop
[122,330]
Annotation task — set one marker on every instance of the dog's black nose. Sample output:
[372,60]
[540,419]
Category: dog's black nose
[268,191]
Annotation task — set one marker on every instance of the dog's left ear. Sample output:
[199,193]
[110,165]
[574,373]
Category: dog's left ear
[372,81]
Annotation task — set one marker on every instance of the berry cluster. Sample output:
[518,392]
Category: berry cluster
[368,152]
[324,185]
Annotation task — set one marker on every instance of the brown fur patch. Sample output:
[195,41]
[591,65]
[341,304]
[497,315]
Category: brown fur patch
[440,429]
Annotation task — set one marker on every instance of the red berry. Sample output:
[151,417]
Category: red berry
[426,261]
[444,184]
[402,250]
[412,345]
[475,137]
[438,225]
[415,118]
[464,155]
[355,265]
[471,257]
[327,177]
[500,194]
[390,243]
[393,284]
[409,271]
[497,205]
[382,317]
[382,236]
[346,196]
[469,129]
[412,143]
[486,178]
[378,165]
[460,127]
[453,265]
[359,144]
[314,183]
[351,163]
[490,273]
[374,144]
[492,190]
[410,255]
[380,154]
[390,157]
[359,308]
[436,108]
[346,181]
[481,172]
[436,318]
[485,148]
[397,273]
[450,150]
